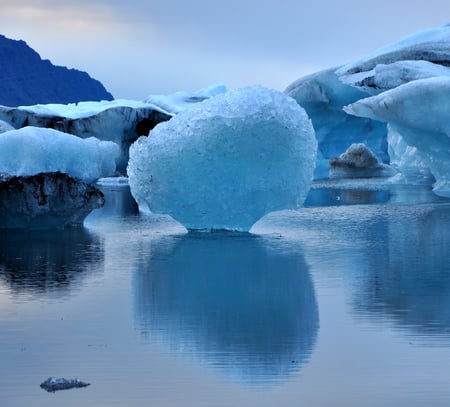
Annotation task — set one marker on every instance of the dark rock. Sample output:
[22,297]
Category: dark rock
[359,161]
[45,201]
[26,79]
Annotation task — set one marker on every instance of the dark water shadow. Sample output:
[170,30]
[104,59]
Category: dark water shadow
[239,303]
[48,262]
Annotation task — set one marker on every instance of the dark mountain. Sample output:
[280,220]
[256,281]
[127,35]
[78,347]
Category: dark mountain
[26,79]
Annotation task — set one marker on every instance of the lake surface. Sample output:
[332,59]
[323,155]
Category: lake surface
[344,302]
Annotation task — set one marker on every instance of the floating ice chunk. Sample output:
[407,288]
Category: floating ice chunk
[32,150]
[384,77]
[323,95]
[179,101]
[121,121]
[45,201]
[419,112]
[430,45]
[53,384]
[358,161]
[226,162]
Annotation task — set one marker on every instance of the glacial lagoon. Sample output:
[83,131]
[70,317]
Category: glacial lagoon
[343,302]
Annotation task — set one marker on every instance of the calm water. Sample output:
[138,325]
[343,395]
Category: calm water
[344,302]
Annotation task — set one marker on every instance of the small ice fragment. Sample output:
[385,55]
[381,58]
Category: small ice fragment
[53,384]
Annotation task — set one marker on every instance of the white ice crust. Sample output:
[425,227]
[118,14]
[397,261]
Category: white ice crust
[429,45]
[388,76]
[82,110]
[226,162]
[179,101]
[31,150]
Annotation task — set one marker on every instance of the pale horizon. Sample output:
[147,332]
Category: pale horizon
[136,49]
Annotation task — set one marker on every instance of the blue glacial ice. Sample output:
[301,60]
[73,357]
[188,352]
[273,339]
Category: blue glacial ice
[226,162]
[323,96]
[5,126]
[418,112]
[32,150]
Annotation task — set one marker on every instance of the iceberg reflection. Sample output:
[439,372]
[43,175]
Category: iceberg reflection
[42,262]
[408,276]
[239,303]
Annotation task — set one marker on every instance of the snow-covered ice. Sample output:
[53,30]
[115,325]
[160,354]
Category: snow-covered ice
[419,112]
[431,45]
[226,162]
[388,76]
[323,96]
[31,150]
[358,161]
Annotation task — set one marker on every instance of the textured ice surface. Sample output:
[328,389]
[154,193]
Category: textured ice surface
[359,161]
[323,95]
[32,150]
[227,162]
[120,121]
[430,45]
[388,76]
[419,112]
[179,101]
[404,157]
[45,201]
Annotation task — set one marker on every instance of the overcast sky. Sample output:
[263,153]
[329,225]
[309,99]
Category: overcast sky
[141,47]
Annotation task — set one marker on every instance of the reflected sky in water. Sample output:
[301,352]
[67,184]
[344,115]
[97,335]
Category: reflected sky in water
[333,304]
[235,302]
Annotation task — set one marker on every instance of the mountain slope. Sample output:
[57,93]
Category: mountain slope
[26,79]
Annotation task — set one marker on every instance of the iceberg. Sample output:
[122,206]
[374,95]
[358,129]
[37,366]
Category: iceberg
[31,150]
[358,161]
[418,112]
[323,96]
[46,201]
[179,101]
[226,162]
[120,121]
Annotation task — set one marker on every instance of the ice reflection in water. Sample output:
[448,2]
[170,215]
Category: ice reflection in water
[408,275]
[240,303]
[38,262]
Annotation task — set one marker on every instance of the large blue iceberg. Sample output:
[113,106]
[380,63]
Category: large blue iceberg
[323,96]
[226,162]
